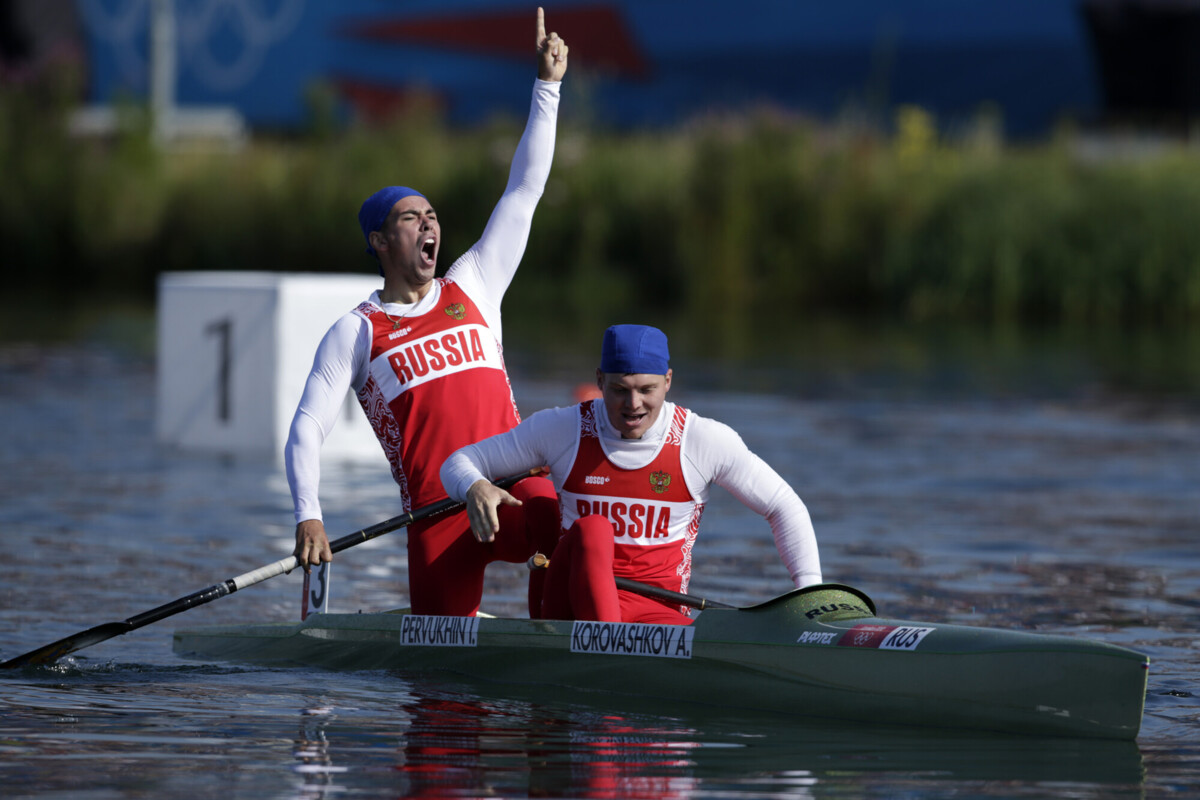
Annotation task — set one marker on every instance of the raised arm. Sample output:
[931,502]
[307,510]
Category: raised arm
[551,50]
[487,269]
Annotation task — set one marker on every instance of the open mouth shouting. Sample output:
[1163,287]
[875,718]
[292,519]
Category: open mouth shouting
[429,250]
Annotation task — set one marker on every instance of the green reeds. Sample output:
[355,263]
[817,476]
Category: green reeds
[724,224]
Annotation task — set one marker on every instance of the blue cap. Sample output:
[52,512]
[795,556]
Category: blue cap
[375,209]
[635,349]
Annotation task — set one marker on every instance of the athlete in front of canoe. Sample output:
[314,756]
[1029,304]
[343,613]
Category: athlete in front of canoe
[424,356]
[633,472]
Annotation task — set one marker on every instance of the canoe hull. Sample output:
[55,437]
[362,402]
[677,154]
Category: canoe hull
[818,653]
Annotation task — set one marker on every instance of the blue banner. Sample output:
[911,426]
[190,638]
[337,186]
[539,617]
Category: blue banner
[633,62]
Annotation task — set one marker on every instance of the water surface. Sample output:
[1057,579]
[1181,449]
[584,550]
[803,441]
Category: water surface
[1065,512]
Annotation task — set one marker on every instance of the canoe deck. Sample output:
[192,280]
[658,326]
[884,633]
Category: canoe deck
[818,652]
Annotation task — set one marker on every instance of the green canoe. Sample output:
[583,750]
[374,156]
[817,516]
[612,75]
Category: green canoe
[820,652]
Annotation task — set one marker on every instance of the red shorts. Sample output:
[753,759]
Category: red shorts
[580,583]
[446,562]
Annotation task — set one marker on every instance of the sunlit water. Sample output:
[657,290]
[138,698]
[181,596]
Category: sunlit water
[1065,515]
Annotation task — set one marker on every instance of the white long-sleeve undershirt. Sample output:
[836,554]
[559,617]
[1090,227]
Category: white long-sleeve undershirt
[713,453]
[484,272]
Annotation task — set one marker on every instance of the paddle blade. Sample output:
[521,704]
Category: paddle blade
[50,653]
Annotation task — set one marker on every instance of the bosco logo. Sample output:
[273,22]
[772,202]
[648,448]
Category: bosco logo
[659,481]
[456,310]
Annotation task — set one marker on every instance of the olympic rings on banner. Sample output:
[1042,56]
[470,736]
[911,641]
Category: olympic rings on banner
[223,43]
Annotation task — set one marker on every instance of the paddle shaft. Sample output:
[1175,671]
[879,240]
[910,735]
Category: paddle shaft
[540,561]
[50,653]
[658,593]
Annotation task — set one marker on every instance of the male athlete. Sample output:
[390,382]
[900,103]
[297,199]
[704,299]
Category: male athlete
[633,473]
[424,357]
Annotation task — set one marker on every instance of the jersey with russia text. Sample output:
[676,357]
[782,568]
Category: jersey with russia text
[655,518]
[436,382]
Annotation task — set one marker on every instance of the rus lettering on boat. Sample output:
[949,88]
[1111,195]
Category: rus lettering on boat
[632,639]
[630,518]
[437,631]
[885,637]
[904,638]
[833,608]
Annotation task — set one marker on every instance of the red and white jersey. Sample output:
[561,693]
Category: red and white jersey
[695,451]
[348,359]
[424,371]
[654,515]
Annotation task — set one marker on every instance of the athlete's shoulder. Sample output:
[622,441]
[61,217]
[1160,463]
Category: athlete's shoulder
[709,431]
[564,417]
[464,273]
[365,309]
[354,325]
[548,431]
[454,284]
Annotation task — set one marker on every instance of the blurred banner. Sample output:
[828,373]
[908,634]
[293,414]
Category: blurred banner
[634,62]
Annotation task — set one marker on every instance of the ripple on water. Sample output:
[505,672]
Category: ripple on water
[1030,515]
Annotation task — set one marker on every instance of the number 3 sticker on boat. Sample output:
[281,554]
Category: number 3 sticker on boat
[315,599]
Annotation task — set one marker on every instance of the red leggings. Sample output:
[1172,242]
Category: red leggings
[446,562]
[580,583]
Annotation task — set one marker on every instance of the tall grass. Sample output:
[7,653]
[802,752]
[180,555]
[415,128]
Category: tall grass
[725,224]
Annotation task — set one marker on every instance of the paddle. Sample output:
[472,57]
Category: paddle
[56,650]
[658,593]
[540,561]
[699,602]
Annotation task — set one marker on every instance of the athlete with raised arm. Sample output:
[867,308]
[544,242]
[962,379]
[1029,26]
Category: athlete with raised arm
[424,357]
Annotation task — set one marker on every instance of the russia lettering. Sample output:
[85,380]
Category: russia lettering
[632,639]
[437,354]
[630,518]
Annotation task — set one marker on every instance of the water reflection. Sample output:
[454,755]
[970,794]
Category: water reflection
[455,744]
[311,752]
[448,741]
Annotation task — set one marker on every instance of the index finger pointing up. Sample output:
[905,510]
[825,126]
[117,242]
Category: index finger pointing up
[541,27]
